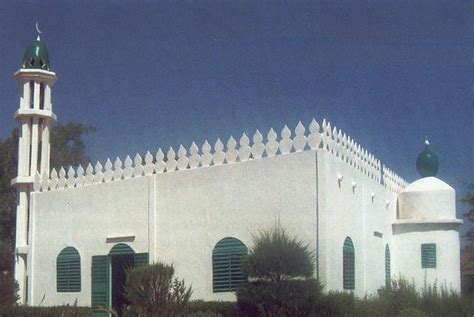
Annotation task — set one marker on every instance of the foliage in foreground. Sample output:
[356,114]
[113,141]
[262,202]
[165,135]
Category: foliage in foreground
[275,256]
[57,311]
[333,304]
[201,308]
[280,269]
[287,298]
[153,291]
[401,299]
[8,290]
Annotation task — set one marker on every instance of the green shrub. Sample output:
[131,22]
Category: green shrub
[212,308]
[153,291]
[275,256]
[337,304]
[57,311]
[412,312]
[402,294]
[286,298]
[280,269]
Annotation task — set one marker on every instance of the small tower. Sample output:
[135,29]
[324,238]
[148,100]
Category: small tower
[35,118]
[426,232]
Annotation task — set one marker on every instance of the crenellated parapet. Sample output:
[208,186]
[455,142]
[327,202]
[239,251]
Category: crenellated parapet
[316,137]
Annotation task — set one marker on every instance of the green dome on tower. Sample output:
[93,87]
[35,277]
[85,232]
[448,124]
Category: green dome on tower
[427,162]
[36,56]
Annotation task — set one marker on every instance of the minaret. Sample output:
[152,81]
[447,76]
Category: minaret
[35,118]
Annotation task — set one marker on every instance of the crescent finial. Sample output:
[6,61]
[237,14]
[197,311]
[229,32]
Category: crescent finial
[38,30]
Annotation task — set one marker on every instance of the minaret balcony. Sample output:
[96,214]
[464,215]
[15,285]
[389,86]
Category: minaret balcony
[22,181]
[22,250]
[32,113]
[26,74]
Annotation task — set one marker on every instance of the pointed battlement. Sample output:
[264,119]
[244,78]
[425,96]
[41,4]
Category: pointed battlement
[324,137]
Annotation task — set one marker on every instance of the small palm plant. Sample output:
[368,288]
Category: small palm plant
[153,292]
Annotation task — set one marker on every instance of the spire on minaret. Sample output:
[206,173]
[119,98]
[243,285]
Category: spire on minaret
[39,32]
[36,54]
[35,118]
[427,162]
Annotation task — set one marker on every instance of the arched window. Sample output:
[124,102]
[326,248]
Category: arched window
[41,103]
[348,264]
[121,249]
[388,277]
[68,270]
[32,95]
[227,274]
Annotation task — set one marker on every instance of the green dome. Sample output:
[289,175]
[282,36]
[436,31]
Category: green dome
[427,162]
[36,56]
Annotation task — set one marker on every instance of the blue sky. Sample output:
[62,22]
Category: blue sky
[151,74]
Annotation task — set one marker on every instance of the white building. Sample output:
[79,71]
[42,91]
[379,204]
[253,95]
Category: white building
[198,208]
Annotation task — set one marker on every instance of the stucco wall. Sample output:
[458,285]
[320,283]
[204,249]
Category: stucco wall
[83,218]
[352,211]
[197,208]
[194,210]
[408,239]
[178,217]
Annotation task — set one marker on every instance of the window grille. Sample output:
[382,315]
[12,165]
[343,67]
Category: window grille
[68,270]
[227,274]
[348,266]
[428,256]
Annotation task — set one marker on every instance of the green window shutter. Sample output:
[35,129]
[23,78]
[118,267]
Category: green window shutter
[100,285]
[121,249]
[388,275]
[68,271]
[428,256]
[348,264]
[227,274]
[141,259]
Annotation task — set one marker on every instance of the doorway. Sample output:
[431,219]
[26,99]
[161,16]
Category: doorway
[108,276]
[119,265]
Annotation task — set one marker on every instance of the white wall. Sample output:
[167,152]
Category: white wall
[408,239]
[197,208]
[194,210]
[348,211]
[178,217]
[83,218]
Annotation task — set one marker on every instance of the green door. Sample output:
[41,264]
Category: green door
[100,285]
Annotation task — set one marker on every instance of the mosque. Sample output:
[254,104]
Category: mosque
[199,207]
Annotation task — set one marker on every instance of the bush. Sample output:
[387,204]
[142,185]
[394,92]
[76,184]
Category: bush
[337,304]
[275,256]
[412,312]
[152,291]
[58,311]
[212,309]
[402,294]
[286,298]
[280,268]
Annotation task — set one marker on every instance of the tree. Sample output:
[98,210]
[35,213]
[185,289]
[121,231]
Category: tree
[154,292]
[280,270]
[67,144]
[8,171]
[67,148]
[467,254]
